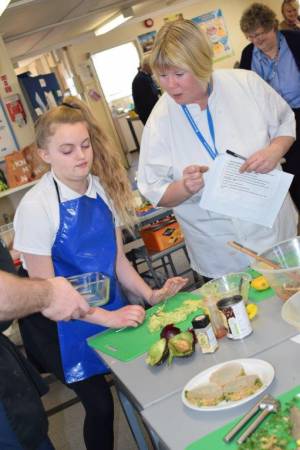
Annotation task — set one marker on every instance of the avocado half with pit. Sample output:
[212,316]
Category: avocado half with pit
[181,345]
[157,353]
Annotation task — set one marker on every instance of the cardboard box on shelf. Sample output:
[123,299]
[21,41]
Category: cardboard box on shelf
[162,234]
[18,171]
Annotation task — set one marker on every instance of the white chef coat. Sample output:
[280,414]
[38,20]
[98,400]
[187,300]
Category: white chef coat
[37,218]
[247,113]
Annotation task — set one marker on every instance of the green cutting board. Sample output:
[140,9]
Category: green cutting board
[130,343]
[214,440]
[258,296]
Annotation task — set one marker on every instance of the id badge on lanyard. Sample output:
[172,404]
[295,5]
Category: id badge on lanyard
[213,152]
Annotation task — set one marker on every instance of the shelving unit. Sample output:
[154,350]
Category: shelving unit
[17,189]
[10,199]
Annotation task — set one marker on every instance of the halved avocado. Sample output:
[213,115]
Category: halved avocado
[181,345]
[157,353]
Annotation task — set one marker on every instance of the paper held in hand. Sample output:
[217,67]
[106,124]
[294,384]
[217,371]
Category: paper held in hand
[249,196]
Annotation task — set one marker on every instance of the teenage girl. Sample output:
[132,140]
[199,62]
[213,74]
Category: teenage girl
[69,224]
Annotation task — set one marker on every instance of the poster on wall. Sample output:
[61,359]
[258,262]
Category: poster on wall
[213,25]
[16,110]
[8,142]
[147,41]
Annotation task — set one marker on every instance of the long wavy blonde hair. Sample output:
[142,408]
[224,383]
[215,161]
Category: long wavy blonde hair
[107,163]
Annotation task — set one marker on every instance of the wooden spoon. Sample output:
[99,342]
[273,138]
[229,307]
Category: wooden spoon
[254,255]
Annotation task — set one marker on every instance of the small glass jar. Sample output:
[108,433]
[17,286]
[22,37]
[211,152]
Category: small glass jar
[215,316]
[205,334]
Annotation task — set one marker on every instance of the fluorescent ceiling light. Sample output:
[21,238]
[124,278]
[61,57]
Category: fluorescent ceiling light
[3,5]
[111,24]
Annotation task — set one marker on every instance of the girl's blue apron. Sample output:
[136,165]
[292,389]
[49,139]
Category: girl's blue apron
[85,242]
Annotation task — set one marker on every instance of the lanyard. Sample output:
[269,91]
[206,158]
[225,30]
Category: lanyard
[212,152]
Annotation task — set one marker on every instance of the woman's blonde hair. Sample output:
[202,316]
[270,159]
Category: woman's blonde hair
[107,163]
[181,44]
[293,3]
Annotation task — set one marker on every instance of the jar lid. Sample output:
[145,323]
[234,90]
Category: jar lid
[200,321]
[228,301]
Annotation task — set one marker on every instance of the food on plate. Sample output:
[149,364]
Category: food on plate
[162,318]
[260,283]
[251,309]
[157,353]
[227,374]
[206,395]
[181,345]
[229,383]
[242,387]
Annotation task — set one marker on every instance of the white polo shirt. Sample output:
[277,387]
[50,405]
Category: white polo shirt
[37,218]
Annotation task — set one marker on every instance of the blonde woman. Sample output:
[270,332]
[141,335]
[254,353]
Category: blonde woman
[69,224]
[290,13]
[201,114]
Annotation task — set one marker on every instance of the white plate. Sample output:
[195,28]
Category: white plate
[251,366]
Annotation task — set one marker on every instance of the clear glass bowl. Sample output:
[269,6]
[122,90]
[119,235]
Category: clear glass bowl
[94,286]
[286,280]
[290,312]
[227,286]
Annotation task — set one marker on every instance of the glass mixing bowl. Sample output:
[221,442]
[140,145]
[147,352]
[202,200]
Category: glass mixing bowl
[227,286]
[94,286]
[286,279]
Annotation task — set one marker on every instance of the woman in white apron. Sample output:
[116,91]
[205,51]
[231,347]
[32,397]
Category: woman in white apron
[201,114]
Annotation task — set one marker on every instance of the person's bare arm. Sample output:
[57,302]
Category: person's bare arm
[179,191]
[55,298]
[132,315]
[266,159]
[133,282]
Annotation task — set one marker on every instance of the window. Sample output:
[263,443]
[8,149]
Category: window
[116,69]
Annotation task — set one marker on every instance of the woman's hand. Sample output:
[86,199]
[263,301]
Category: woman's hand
[264,160]
[170,288]
[192,178]
[128,316]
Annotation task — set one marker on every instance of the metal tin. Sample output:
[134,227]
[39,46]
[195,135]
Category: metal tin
[235,317]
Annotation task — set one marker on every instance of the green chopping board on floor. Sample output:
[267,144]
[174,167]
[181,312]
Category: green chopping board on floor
[128,344]
[214,440]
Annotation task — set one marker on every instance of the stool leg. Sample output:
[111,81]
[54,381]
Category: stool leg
[186,253]
[172,264]
[164,263]
[158,284]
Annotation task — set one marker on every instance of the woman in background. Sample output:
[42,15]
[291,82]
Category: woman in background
[275,56]
[290,12]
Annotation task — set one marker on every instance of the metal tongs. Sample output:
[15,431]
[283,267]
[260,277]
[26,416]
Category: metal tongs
[266,405]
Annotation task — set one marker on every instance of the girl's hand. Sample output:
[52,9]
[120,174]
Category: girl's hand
[170,288]
[192,178]
[262,161]
[128,316]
